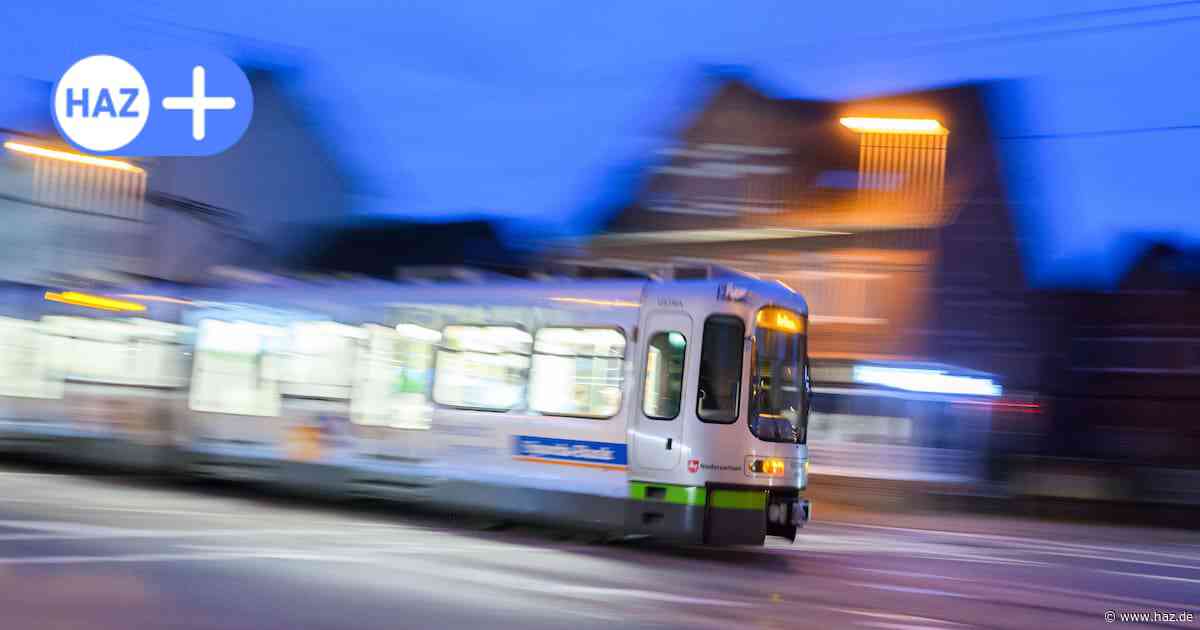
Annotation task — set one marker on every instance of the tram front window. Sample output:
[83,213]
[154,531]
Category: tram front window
[779,401]
[721,353]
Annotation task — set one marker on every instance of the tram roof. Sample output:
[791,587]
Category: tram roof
[619,293]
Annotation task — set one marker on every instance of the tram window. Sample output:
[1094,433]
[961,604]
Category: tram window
[720,385]
[664,375]
[235,368]
[780,386]
[320,360]
[577,372]
[482,367]
[25,361]
[133,351]
[392,377]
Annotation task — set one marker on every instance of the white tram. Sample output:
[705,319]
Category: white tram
[675,409]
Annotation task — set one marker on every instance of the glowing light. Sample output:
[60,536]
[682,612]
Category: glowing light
[773,467]
[770,466]
[94,301]
[156,298]
[917,126]
[420,333]
[1004,405]
[591,302]
[930,381]
[779,319]
[77,158]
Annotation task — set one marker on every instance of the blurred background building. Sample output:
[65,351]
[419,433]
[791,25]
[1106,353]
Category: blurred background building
[900,238]
[167,219]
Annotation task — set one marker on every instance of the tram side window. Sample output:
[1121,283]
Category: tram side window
[24,361]
[320,360]
[664,375]
[577,372]
[482,367]
[236,368]
[720,384]
[392,377]
[134,351]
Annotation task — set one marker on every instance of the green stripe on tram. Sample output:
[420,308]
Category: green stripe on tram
[739,499]
[666,493]
[696,495]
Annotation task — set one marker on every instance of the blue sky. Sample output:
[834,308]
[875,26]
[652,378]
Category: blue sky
[523,109]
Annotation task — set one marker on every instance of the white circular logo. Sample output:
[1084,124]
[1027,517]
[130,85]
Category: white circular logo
[101,103]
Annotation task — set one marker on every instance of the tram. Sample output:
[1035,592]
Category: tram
[675,409]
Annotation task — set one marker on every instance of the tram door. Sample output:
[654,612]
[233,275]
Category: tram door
[668,349]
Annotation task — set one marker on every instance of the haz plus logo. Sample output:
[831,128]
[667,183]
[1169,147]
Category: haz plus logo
[101,103]
[165,104]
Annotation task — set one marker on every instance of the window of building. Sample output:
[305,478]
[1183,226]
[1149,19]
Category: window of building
[577,372]
[719,390]
[391,386]
[844,297]
[482,367]
[663,389]
[236,368]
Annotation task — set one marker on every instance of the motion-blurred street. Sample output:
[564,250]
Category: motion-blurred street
[78,549]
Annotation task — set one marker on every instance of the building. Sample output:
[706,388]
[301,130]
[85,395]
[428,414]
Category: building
[72,217]
[888,214]
[1124,368]
[282,172]
[68,215]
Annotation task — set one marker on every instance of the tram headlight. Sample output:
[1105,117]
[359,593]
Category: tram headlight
[768,466]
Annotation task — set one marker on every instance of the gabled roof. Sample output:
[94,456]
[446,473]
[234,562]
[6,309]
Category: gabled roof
[819,148]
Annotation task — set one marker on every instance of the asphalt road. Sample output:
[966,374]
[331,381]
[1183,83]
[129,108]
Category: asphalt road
[79,550]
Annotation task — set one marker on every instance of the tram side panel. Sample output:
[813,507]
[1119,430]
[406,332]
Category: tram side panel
[530,419]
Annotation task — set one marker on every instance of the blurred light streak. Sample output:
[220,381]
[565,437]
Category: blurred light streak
[93,301]
[55,154]
[617,303]
[1004,405]
[420,333]
[929,381]
[714,236]
[157,298]
[917,126]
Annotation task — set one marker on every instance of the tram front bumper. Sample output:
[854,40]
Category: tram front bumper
[787,513]
[716,515]
[795,512]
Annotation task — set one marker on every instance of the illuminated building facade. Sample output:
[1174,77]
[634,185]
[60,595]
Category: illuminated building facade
[888,214]
[64,212]
[71,217]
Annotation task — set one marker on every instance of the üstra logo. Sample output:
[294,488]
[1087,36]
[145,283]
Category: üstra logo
[168,103]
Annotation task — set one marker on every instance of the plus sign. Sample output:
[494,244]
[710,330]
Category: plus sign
[198,102]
